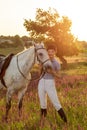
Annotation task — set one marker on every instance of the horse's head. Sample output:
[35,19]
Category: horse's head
[42,56]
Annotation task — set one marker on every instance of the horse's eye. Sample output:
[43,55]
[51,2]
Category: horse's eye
[40,54]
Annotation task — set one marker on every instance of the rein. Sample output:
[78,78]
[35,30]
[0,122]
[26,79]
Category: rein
[21,71]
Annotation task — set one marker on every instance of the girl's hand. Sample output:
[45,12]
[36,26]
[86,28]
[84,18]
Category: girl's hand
[54,73]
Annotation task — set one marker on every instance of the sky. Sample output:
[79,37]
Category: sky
[13,13]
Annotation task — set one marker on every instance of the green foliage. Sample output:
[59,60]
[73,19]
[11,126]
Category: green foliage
[11,41]
[49,27]
[17,41]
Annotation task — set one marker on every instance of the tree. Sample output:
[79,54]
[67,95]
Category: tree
[17,40]
[27,42]
[49,27]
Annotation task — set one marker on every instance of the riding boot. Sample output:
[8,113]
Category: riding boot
[62,115]
[43,117]
[43,112]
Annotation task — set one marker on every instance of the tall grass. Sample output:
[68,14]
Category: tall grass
[73,100]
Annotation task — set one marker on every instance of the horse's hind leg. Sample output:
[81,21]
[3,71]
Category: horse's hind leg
[20,100]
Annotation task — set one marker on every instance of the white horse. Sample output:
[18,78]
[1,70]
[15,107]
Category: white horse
[17,75]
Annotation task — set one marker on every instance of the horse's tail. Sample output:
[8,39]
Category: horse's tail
[1,85]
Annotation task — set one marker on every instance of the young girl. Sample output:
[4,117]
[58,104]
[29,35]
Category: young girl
[46,86]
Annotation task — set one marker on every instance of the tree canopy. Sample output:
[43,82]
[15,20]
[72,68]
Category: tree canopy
[50,28]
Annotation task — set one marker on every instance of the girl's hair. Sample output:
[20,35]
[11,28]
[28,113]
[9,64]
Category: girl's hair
[52,47]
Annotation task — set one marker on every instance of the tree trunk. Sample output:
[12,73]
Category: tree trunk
[64,62]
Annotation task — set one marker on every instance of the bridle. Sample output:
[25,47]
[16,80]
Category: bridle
[36,56]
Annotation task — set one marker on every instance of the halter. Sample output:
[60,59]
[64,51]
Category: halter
[33,63]
[38,57]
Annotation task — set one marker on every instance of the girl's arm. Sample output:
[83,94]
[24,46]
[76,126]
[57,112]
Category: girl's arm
[54,73]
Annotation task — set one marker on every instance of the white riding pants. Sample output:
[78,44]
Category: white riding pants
[47,87]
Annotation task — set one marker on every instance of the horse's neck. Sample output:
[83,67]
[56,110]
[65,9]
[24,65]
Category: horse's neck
[26,59]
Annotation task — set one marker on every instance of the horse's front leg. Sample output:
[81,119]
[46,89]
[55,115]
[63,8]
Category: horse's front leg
[20,100]
[20,106]
[8,103]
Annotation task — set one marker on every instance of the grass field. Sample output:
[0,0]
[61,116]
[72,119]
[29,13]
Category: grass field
[14,50]
[72,92]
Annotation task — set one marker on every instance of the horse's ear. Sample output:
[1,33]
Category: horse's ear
[33,43]
[42,44]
